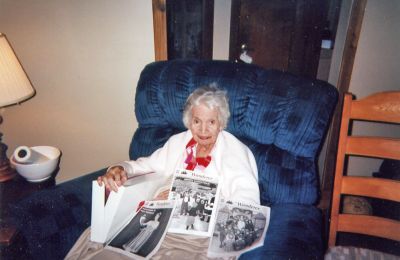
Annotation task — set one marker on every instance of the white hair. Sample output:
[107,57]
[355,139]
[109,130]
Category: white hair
[212,97]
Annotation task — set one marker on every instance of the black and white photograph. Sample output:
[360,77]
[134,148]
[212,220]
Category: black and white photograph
[142,236]
[195,195]
[239,227]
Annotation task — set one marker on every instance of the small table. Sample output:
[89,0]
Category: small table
[12,191]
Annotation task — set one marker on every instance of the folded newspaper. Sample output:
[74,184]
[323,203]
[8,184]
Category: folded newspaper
[193,208]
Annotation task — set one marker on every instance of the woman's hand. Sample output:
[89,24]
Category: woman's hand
[114,177]
[162,195]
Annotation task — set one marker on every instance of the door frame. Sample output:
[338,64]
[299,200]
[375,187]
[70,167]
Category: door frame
[160,29]
[345,73]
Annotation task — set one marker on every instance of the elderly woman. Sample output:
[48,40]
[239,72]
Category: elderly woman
[204,147]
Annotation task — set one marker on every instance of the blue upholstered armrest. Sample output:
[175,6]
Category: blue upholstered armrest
[51,220]
[294,232]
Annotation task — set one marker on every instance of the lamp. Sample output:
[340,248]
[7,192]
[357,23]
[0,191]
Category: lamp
[15,87]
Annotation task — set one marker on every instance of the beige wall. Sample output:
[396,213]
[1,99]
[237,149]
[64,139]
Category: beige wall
[84,60]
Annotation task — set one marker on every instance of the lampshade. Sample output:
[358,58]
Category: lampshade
[14,83]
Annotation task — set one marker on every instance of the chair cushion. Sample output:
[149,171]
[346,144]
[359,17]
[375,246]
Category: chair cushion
[283,177]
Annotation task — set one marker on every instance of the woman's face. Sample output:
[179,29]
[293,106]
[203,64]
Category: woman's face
[205,125]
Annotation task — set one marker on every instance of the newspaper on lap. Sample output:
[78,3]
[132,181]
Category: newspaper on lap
[194,207]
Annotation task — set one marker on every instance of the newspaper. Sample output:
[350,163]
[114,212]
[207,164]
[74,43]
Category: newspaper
[142,236]
[110,210]
[193,207]
[195,210]
[240,227]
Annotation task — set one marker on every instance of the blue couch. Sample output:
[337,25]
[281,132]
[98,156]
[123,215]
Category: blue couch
[281,117]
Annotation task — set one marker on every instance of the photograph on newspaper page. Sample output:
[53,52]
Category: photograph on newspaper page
[144,233]
[239,227]
[196,195]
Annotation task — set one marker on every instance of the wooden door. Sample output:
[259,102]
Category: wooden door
[279,34]
[189,26]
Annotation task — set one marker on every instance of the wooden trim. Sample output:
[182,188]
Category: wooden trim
[208,29]
[160,29]
[7,235]
[351,44]
[349,52]
[340,161]
[234,49]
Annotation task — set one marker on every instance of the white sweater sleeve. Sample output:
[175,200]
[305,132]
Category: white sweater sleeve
[159,161]
[240,172]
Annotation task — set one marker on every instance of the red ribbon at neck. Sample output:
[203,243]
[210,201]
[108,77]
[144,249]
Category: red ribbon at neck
[193,162]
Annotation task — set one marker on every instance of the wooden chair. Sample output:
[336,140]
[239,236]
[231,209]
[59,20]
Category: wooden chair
[381,107]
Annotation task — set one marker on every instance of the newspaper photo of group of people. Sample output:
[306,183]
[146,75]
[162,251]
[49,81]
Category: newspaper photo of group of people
[237,228]
[194,205]
[236,233]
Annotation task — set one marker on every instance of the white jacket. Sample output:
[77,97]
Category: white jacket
[231,160]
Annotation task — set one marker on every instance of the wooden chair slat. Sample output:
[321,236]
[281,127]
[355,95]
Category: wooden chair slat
[370,225]
[373,147]
[372,187]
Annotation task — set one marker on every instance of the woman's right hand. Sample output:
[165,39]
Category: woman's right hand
[114,177]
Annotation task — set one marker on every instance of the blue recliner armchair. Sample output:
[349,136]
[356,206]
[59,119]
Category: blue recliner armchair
[281,117]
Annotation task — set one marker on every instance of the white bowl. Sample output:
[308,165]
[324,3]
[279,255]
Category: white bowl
[37,172]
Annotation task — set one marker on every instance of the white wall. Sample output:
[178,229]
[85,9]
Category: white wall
[84,60]
[377,61]
[376,68]
[222,25]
